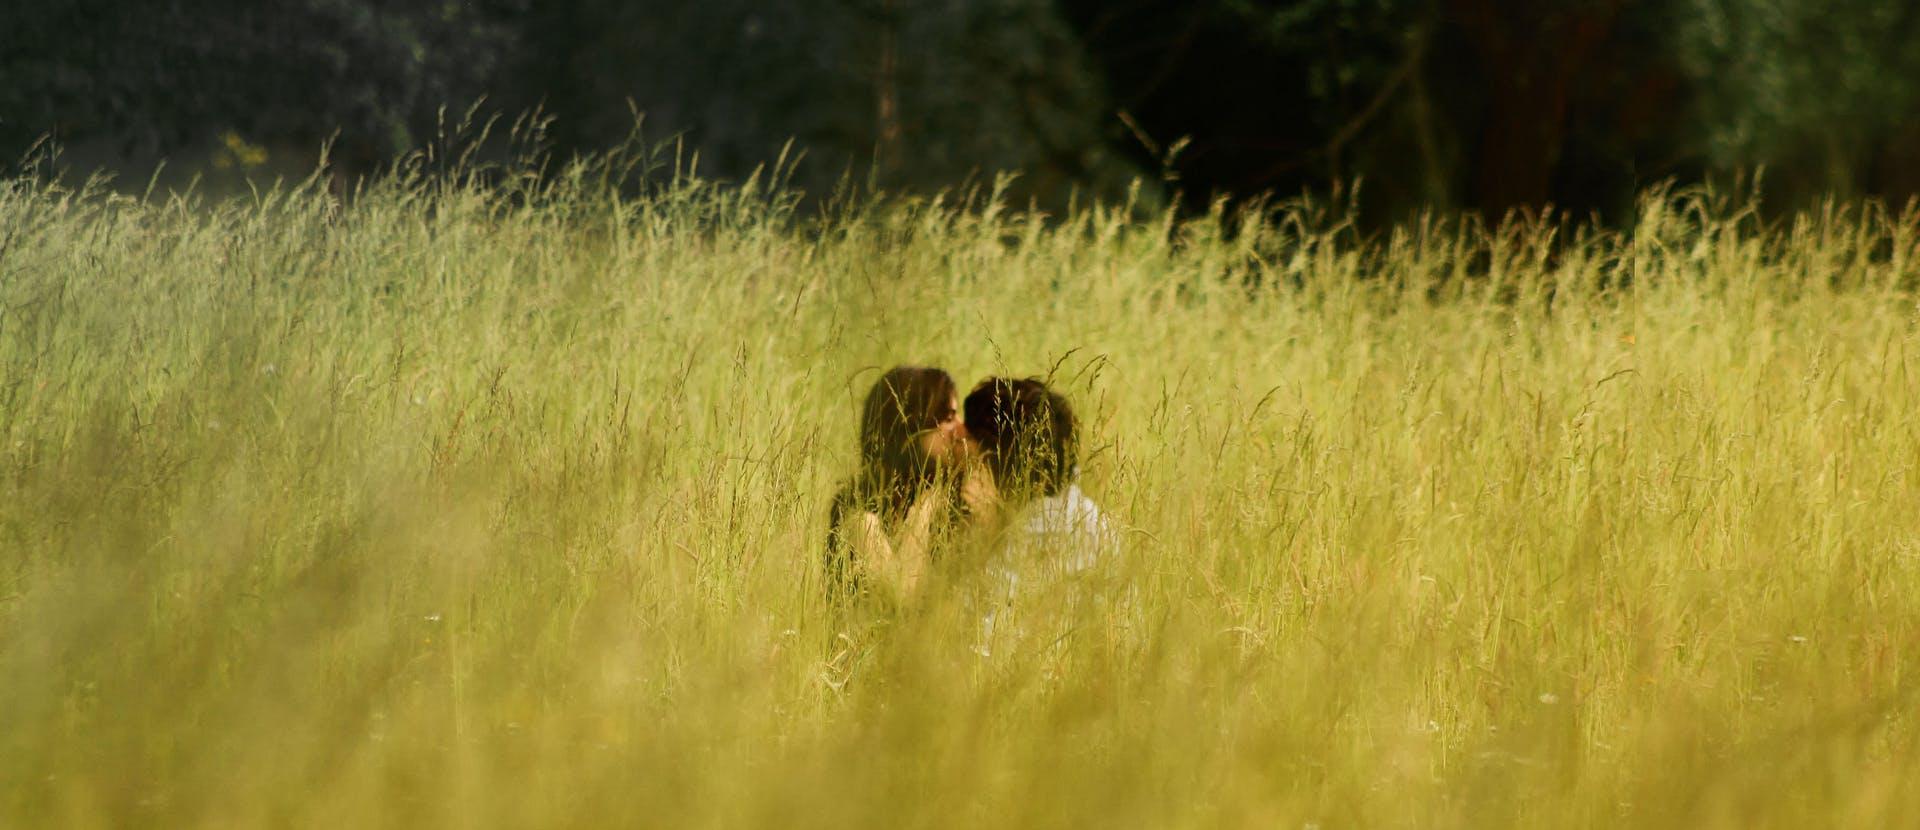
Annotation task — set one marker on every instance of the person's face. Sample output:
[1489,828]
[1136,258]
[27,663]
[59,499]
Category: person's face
[946,440]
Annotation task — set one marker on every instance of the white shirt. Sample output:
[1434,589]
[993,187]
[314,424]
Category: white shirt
[1066,530]
[1050,540]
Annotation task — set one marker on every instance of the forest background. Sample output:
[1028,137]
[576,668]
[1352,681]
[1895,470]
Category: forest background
[1481,105]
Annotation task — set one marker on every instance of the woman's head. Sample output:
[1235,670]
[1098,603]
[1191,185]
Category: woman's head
[910,423]
[1027,433]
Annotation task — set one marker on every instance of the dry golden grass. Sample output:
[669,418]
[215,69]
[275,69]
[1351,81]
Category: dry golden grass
[502,507]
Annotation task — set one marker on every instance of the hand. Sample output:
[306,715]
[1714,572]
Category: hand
[926,511]
[979,495]
[893,571]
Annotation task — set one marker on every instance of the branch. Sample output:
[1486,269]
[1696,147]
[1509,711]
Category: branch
[1350,130]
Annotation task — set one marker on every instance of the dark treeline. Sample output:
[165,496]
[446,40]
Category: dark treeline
[1488,105]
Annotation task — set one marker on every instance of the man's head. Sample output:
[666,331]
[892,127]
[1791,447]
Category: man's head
[1027,433]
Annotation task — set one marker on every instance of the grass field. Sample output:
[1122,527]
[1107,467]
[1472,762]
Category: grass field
[503,507]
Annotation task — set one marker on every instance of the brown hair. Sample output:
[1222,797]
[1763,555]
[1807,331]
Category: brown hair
[1028,433]
[903,404]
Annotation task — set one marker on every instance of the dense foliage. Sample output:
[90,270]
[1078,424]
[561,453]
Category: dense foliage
[1486,104]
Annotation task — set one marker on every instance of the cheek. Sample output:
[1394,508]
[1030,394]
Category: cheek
[940,444]
[932,443]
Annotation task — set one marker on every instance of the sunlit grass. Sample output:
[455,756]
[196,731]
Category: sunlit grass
[502,506]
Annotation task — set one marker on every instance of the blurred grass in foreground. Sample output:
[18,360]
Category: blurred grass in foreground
[502,506]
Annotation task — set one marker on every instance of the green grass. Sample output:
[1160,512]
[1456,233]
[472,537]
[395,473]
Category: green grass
[470,507]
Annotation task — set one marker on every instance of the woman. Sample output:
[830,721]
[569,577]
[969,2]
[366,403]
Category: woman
[882,523]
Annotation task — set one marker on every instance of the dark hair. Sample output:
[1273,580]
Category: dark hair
[902,405]
[1027,432]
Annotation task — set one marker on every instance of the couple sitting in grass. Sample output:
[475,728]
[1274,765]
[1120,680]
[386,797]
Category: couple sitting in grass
[989,481]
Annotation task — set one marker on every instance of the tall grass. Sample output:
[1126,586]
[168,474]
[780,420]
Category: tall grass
[501,505]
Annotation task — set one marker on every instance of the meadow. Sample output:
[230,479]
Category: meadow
[501,503]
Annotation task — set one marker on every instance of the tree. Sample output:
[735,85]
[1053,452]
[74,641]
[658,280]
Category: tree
[918,94]
[1826,94]
[156,77]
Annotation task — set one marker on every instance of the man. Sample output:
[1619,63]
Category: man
[1028,438]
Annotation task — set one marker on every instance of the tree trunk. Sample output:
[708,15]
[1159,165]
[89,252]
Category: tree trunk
[1532,58]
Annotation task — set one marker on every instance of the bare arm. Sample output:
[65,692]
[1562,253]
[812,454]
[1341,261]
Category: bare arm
[914,549]
[873,556]
[897,567]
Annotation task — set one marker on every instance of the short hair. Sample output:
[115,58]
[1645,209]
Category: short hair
[1028,432]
